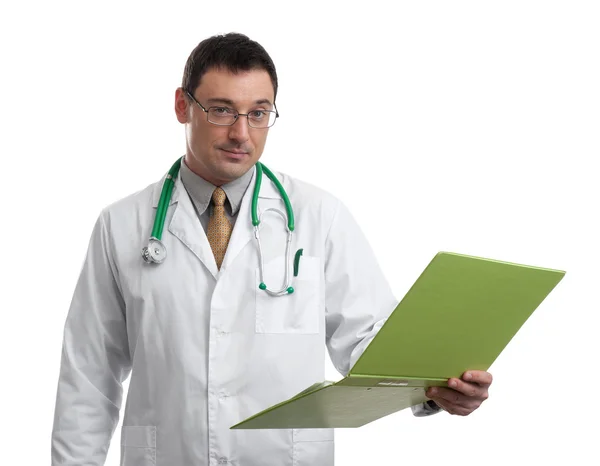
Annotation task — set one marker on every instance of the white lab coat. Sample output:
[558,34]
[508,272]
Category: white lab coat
[207,348]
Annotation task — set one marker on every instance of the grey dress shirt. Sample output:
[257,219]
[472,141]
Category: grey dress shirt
[201,191]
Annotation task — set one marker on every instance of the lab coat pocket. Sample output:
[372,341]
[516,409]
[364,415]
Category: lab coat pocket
[313,447]
[297,312]
[138,446]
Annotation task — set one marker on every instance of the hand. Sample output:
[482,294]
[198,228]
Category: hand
[464,395]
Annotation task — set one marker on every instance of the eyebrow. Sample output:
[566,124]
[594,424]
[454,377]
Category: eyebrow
[216,100]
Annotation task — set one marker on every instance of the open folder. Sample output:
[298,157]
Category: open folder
[459,315]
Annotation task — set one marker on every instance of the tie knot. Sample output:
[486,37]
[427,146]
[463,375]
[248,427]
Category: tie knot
[219,197]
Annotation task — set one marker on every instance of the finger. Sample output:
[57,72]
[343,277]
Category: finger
[479,377]
[453,409]
[462,409]
[447,395]
[472,390]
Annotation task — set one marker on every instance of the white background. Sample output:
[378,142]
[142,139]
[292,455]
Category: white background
[475,122]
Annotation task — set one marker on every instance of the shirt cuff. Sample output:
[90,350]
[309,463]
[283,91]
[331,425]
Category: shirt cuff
[426,409]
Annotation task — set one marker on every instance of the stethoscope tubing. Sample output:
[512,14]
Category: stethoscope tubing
[155,251]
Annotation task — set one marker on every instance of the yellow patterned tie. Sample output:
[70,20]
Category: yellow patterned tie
[219,228]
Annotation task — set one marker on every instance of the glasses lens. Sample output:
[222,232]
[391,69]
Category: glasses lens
[261,118]
[221,115]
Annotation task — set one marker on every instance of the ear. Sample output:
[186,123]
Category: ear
[181,106]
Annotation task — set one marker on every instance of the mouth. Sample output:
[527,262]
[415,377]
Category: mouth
[234,154]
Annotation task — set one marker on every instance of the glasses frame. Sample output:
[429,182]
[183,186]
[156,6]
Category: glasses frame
[238,114]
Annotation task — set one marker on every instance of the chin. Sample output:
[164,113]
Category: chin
[233,171]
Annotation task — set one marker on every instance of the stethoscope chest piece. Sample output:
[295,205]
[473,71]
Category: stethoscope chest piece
[155,252]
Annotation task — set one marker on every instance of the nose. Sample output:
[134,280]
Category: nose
[239,131]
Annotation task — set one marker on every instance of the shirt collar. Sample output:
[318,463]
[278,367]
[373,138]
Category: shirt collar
[201,191]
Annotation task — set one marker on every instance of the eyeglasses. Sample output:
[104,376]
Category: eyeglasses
[225,116]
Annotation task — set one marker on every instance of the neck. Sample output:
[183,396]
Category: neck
[199,170]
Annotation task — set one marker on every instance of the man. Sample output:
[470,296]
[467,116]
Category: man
[207,346]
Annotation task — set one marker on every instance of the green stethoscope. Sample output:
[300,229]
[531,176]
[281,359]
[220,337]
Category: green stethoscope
[155,252]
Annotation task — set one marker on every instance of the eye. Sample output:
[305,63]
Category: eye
[222,111]
[257,114]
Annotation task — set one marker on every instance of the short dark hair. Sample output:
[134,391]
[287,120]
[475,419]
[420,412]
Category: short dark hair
[233,52]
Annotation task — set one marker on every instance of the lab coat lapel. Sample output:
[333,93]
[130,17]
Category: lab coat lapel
[186,226]
[243,231]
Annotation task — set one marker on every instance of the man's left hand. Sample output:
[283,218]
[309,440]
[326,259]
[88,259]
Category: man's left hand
[464,395]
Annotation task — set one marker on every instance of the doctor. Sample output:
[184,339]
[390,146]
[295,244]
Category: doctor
[205,345]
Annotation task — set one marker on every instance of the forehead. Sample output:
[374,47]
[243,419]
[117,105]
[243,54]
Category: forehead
[243,86]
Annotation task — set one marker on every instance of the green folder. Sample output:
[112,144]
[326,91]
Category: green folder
[459,315]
